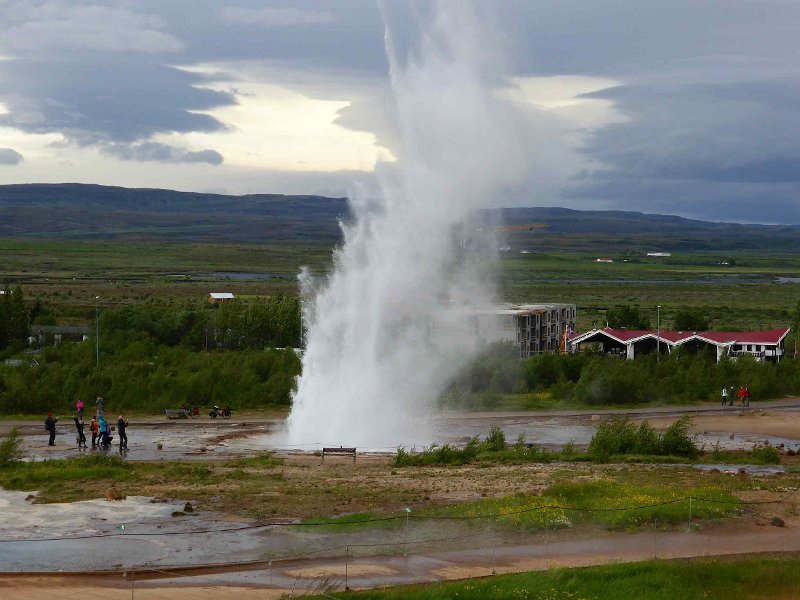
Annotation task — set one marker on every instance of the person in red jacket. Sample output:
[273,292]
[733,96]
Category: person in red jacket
[741,395]
[95,427]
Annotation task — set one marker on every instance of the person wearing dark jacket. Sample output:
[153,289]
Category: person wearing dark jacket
[50,426]
[81,436]
[122,423]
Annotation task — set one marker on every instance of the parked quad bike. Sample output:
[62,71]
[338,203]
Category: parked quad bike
[225,413]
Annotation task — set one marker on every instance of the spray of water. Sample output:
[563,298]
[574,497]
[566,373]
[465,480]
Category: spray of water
[394,322]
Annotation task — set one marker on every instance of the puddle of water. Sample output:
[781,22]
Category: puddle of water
[742,441]
[548,432]
[759,470]
[21,516]
[186,442]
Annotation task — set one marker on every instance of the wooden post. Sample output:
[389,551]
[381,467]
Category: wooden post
[346,556]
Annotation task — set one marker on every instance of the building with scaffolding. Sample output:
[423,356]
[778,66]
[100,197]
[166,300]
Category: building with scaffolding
[537,328]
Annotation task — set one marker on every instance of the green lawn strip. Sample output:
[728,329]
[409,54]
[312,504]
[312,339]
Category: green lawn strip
[543,401]
[706,579]
[605,503]
[65,480]
[631,504]
[68,480]
[354,522]
[616,505]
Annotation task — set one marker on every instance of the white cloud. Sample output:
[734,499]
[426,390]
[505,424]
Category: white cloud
[275,17]
[274,125]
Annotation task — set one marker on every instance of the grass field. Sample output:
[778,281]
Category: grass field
[264,486]
[706,579]
[743,294]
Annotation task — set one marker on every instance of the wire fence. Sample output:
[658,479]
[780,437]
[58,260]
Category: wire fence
[341,522]
[326,557]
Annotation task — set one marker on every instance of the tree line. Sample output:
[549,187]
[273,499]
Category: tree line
[592,378]
[163,354]
[14,317]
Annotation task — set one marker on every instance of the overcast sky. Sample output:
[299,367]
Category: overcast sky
[685,107]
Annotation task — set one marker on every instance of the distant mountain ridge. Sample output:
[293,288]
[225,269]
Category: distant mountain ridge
[86,212]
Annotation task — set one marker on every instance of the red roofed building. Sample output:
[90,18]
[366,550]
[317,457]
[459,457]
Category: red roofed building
[762,345]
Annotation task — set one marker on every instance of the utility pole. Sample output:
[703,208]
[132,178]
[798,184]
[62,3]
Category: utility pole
[97,330]
[658,333]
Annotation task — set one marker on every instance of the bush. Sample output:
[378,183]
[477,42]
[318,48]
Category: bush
[677,440]
[620,437]
[764,454]
[438,455]
[598,380]
[495,442]
[11,448]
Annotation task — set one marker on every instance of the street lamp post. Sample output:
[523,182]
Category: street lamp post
[97,330]
[658,333]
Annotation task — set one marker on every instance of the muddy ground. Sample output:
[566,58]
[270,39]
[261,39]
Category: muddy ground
[231,493]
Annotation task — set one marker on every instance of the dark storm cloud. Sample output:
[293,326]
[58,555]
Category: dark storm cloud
[92,101]
[706,149]
[620,37]
[9,156]
[336,34]
[100,75]
[706,88]
[211,157]
[152,151]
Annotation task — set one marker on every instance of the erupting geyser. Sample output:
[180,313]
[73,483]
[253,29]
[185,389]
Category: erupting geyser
[391,324]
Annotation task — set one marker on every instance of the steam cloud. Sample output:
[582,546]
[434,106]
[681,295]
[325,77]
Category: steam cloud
[393,322]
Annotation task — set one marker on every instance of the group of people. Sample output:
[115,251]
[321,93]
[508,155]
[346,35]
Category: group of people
[730,394]
[99,427]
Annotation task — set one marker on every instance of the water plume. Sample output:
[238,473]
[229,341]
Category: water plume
[394,321]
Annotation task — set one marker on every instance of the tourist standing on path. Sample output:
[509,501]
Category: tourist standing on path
[81,436]
[79,407]
[50,426]
[95,427]
[731,395]
[99,402]
[747,396]
[741,395]
[103,429]
[724,396]
[122,423]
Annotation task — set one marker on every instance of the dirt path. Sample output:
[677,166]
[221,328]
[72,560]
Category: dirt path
[567,549]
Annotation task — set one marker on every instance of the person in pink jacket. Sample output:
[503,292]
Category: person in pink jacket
[79,405]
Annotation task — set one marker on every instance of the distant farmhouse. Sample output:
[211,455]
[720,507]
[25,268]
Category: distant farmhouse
[44,335]
[660,254]
[762,345]
[218,297]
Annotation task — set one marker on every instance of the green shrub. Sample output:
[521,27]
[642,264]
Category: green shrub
[495,442]
[677,441]
[620,437]
[647,440]
[11,448]
[765,454]
[615,436]
[438,455]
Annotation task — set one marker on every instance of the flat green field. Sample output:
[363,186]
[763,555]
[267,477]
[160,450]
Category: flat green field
[753,290]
